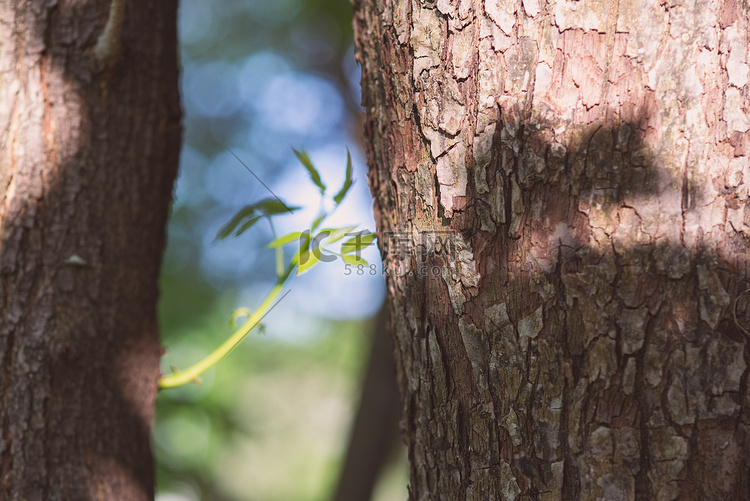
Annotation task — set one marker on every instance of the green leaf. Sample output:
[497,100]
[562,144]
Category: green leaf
[244,214]
[347,181]
[286,239]
[321,216]
[361,241]
[306,261]
[246,226]
[336,234]
[304,247]
[305,240]
[314,175]
[271,206]
[251,214]
[354,260]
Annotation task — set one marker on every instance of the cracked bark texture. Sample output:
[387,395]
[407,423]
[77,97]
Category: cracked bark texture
[88,153]
[586,165]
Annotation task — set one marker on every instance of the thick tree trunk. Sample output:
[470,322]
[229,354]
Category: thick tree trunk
[89,138]
[585,166]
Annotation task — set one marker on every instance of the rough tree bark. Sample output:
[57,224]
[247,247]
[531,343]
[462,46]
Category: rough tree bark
[89,138]
[585,165]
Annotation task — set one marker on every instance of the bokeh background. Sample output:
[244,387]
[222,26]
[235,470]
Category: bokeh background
[271,421]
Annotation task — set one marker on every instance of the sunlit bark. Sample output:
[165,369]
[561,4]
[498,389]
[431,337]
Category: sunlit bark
[585,165]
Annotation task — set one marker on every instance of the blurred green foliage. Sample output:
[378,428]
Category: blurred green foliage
[268,424]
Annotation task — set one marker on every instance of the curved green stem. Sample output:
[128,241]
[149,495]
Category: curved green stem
[279,254]
[179,378]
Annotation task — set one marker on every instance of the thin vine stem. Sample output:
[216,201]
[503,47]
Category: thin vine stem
[279,254]
[179,378]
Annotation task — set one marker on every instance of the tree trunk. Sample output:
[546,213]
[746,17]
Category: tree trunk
[89,138]
[562,199]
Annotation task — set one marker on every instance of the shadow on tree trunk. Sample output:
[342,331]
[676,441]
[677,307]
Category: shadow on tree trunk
[89,154]
[573,333]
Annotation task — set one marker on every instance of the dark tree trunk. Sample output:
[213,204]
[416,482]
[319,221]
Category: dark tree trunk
[89,145]
[585,167]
